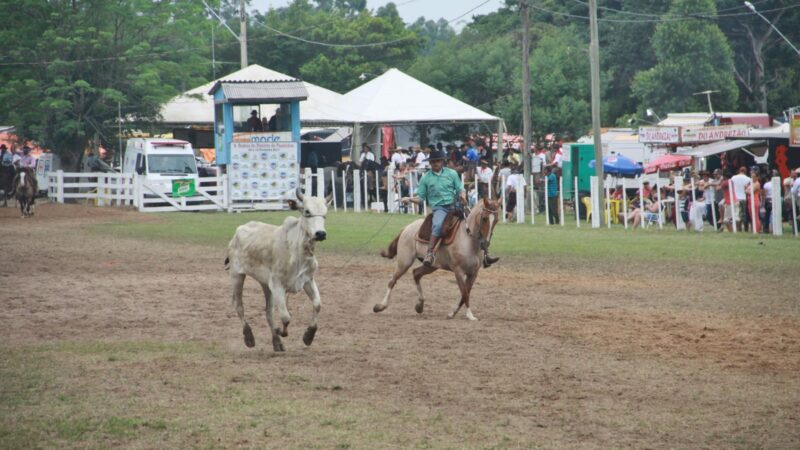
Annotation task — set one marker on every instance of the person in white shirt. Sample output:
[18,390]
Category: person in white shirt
[422,158]
[485,174]
[397,157]
[366,154]
[740,182]
[27,161]
[796,183]
[514,181]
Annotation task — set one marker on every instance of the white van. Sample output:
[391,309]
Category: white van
[160,160]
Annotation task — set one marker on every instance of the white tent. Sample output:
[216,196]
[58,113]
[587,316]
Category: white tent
[396,98]
[197,107]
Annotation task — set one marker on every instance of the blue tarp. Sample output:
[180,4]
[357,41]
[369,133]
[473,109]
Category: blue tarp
[619,165]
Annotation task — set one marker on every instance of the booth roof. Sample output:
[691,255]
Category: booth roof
[236,91]
[196,106]
[395,97]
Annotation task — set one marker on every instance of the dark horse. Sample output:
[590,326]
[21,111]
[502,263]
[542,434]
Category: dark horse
[25,186]
[7,174]
[464,256]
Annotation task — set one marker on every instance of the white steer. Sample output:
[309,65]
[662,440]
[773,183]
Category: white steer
[282,260]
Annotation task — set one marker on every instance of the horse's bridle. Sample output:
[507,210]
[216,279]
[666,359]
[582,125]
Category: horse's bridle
[484,240]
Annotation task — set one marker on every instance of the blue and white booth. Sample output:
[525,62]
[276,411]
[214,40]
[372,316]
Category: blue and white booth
[257,140]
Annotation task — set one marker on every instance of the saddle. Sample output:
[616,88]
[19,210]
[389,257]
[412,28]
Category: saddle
[449,228]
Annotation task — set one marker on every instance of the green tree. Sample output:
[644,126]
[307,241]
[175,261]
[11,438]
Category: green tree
[767,70]
[70,63]
[692,55]
[326,42]
[560,83]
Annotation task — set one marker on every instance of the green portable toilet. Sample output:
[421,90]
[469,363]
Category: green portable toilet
[576,164]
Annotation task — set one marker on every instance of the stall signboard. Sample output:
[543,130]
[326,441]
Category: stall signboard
[263,170]
[711,134]
[659,135]
[794,130]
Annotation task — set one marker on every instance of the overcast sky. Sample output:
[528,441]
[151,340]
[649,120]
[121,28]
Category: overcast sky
[411,10]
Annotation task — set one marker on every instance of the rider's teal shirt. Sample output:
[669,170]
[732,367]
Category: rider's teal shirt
[440,189]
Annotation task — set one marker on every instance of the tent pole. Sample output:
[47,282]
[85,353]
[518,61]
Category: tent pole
[499,153]
[355,144]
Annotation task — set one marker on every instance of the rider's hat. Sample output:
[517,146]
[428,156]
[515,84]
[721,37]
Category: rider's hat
[436,155]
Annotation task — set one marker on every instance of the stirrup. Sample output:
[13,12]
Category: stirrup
[428,261]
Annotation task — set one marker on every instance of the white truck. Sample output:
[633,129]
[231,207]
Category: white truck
[160,160]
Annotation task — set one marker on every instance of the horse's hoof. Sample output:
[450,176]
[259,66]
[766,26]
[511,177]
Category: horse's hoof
[450,316]
[308,336]
[471,317]
[378,308]
[419,307]
[277,345]
[249,339]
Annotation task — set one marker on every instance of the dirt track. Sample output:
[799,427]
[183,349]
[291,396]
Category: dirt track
[596,360]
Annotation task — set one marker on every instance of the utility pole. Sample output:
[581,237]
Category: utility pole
[526,90]
[243,32]
[594,60]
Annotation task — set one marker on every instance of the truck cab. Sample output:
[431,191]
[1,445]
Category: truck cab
[160,160]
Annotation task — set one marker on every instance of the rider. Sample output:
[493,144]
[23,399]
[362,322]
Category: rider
[6,157]
[29,162]
[440,187]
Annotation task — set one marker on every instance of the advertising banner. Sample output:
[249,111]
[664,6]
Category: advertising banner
[659,135]
[794,130]
[183,188]
[263,170]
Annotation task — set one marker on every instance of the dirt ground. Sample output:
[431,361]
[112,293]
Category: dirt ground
[565,353]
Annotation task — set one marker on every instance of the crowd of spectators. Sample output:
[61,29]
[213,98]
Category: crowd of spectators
[474,158]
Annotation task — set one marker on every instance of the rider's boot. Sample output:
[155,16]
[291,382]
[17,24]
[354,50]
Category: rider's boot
[428,261]
[489,260]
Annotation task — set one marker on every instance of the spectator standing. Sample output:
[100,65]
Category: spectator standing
[552,194]
[754,201]
[740,183]
[397,157]
[485,174]
[422,158]
[515,179]
[366,154]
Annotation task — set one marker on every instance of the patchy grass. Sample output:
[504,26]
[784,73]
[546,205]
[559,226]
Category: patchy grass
[176,395]
[369,233]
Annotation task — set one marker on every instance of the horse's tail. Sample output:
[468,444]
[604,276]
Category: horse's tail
[391,252]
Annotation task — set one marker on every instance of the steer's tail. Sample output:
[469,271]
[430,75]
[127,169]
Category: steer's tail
[391,252]
[227,264]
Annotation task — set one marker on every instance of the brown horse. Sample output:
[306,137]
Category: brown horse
[25,190]
[463,257]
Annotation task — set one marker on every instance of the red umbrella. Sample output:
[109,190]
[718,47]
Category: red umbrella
[668,162]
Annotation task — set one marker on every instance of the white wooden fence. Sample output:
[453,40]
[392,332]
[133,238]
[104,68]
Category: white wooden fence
[116,189]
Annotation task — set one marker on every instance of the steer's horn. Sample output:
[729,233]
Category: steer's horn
[299,194]
[329,199]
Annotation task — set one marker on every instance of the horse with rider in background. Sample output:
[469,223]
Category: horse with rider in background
[25,187]
[7,174]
